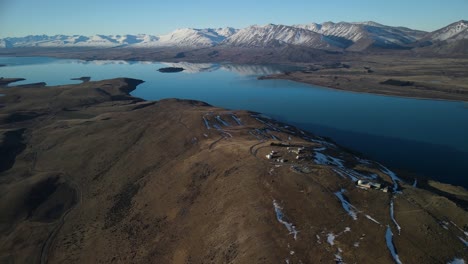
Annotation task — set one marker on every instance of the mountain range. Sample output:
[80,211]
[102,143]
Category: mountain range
[331,36]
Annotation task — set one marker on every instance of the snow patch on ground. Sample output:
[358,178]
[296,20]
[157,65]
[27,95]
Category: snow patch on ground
[348,207]
[338,258]
[392,175]
[331,239]
[463,241]
[238,121]
[372,219]
[340,168]
[444,224]
[464,232]
[392,215]
[346,173]
[280,217]
[456,261]
[207,124]
[321,159]
[391,246]
[224,123]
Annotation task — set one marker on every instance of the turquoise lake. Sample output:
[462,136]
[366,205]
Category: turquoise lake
[421,137]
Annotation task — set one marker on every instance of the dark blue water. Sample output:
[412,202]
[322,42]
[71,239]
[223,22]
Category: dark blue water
[424,137]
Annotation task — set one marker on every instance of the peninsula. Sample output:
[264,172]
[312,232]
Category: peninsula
[101,176]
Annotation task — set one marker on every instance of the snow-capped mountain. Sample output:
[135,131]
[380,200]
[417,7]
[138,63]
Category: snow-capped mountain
[189,37]
[360,35]
[186,37]
[225,32]
[4,44]
[455,31]
[452,39]
[76,41]
[277,35]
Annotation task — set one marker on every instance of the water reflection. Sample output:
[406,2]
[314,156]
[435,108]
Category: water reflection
[241,69]
[111,62]
[396,131]
[253,69]
[194,67]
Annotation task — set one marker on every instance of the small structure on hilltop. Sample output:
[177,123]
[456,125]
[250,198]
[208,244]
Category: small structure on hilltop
[272,154]
[297,151]
[371,185]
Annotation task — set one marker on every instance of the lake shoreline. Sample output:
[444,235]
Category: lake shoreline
[329,82]
[356,72]
[424,180]
[356,121]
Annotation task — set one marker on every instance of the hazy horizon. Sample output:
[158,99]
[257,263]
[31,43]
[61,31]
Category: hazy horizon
[52,17]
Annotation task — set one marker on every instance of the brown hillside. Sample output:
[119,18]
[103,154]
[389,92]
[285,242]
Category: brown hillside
[94,175]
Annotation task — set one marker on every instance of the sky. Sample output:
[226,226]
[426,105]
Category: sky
[157,17]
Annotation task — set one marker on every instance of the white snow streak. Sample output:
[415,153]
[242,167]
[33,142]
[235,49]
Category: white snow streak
[280,217]
[456,261]
[392,215]
[392,175]
[348,207]
[224,123]
[391,246]
[372,219]
[331,239]
[463,241]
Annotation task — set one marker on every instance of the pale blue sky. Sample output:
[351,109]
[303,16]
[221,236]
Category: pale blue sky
[88,17]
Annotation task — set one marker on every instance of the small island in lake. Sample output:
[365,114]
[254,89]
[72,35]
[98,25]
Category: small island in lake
[82,79]
[6,81]
[170,69]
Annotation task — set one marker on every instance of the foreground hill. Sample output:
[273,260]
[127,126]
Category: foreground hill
[90,174]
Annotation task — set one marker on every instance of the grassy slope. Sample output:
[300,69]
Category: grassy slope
[130,181]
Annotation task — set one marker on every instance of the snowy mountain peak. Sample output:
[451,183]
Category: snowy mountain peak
[452,32]
[226,32]
[190,37]
[369,23]
[272,35]
[361,35]
[460,25]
